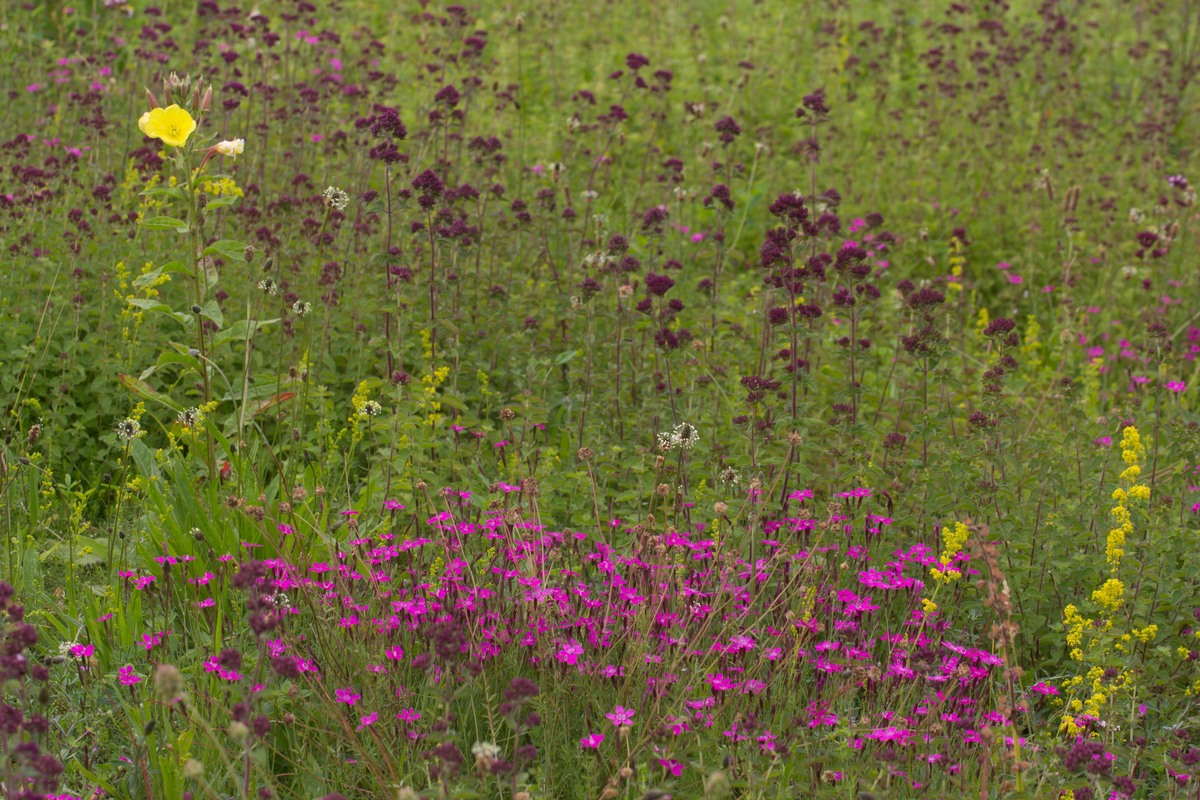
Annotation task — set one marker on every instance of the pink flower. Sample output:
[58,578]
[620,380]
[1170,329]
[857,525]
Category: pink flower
[1014,278]
[286,530]
[395,653]
[83,650]
[621,716]
[1041,687]
[591,741]
[1176,386]
[347,696]
[408,715]
[672,766]
[393,505]
[367,720]
[126,676]
[570,652]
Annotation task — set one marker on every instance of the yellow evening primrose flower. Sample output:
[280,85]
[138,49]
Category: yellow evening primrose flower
[171,124]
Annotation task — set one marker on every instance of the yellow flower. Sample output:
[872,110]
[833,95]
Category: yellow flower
[171,124]
[1110,595]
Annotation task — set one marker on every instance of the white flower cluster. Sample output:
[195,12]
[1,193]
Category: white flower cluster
[336,198]
[685,437]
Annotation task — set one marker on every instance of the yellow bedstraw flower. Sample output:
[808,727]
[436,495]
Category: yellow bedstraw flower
[173,125]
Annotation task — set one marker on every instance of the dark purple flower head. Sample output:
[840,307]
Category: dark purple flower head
[448,96]
[658,285]
[728,128]
[429,183]
[813,103]
[386,124]
[790,207]
[636,61]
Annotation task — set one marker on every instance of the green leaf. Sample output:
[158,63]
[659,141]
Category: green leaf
[222,201]
[165,224]
[149,304]
[239,330]
[226,248]
[213,311]
[165,191]
[147,279]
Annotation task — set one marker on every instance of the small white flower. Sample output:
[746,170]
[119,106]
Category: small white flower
[485,750]
[370,409]
[129,429]
[189,417]
[231,147]
[301,309]
[336,198]
[686,435]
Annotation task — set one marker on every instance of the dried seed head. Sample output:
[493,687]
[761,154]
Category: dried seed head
[586,454]
[168,682]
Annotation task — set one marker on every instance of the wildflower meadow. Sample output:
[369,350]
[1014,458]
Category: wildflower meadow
[598,400]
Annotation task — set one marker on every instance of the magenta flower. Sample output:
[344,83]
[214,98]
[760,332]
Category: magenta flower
[591,741]
[367,720]
[347,696]
[395,653]
[83,650]
[393,505]
[672,766]
[1176,386]
[127,677]
[570,652]
[621,716]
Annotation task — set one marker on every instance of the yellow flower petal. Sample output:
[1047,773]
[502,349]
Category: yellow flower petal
[171,124]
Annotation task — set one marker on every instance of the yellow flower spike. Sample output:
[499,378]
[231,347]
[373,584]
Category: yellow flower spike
[173,125]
